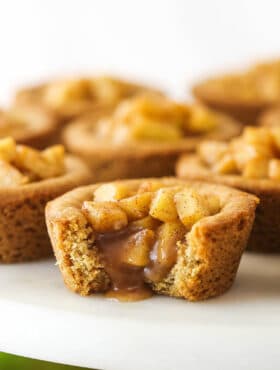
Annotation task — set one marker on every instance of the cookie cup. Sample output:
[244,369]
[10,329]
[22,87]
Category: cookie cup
[265,236]
[206,263]
[23,233]
[134,159]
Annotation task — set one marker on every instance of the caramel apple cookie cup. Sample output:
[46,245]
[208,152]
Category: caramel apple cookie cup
[265,236]
[28,180]
[143,137]
[245,95]
[133,237]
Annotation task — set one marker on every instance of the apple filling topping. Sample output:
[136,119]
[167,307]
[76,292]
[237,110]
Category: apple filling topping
[255,154]
[106,90]
[260,82]
[20,164]
[137,230]
[150,117]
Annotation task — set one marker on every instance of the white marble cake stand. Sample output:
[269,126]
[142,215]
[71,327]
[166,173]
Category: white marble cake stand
[39,318]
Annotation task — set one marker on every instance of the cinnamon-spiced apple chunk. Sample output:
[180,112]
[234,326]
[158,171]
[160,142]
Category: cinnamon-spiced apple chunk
[132,238]
[28,180]
[251,163]
[144,136]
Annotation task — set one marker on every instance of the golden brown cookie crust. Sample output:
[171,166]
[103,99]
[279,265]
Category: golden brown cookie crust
[265,235]
[270,118]
[40,133]
[247,112]
[206,266]
[23,234]
[134,160]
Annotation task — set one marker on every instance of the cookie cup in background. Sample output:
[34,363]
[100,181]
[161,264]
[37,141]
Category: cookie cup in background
[23,233]
[156,146]
[245,95]
[265,236]
[69,98]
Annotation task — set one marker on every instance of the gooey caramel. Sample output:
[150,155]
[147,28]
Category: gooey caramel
[129,277]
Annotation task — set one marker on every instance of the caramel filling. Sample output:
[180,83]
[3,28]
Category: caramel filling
[128,280]
[138,229]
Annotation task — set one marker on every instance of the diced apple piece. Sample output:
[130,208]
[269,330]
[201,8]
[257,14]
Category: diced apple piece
[243,152]
[164,254]
[191,207]
[10,176]
[32,160]
[112,191]
[212,151]
[226,165]
[274,169]
[62,92]
[201,120]
[105,216]
[163,207]
[7,149]
[148,185]
[260,138]
[144,128]
[138,248]
[167,237]
[145,223]
[256,168]
[136,206]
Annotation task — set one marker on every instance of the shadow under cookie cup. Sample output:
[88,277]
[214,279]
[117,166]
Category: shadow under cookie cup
[206,265]
[109,161]
[265,236]
[23,233]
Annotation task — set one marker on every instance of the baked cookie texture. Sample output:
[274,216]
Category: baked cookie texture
[244,95]
[270,118]
[29,125]
[144,136]
[70,97]
[207,253]
[28,180]
[250,163]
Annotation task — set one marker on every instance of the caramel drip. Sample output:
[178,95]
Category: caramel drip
[128,282]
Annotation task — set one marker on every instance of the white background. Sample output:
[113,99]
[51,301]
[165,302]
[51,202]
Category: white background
[169,42]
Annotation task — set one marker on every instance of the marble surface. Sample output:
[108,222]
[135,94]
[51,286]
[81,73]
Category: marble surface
[40,318]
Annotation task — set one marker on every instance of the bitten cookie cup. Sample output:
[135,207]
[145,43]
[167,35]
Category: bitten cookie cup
[132,238]
[243,95]
[250,162]
[144,136]
[28,180]
[29,125]
[69,98]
